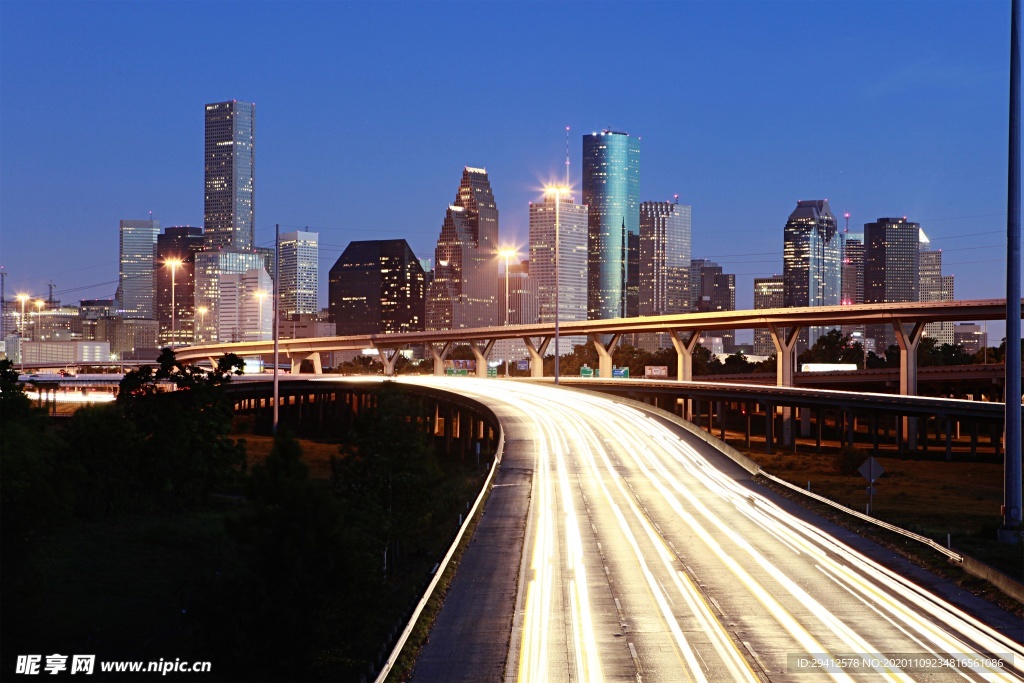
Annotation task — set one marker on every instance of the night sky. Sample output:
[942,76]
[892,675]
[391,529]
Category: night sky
[367,112]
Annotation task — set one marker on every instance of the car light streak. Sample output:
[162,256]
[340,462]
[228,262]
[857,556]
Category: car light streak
[643,485]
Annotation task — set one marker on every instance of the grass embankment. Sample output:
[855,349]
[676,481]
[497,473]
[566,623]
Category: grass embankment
[923,493]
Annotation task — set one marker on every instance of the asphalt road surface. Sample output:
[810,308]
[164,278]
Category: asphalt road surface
[644,555]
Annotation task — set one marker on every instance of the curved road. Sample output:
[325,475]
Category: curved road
[646,558]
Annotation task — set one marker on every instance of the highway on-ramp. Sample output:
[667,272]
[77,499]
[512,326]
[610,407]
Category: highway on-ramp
[647,557]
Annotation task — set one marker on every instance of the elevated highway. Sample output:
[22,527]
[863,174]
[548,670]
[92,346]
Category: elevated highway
[649,556]
[907,320]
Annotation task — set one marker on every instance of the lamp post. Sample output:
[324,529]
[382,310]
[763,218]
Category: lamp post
[173,263]
[557,191]
[21,337]
[507,252]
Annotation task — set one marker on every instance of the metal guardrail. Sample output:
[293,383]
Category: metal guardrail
[407,631]
[956,557]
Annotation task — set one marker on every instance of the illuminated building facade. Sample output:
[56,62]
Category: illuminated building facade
[299,269]
[611,190]
[465,289]
[230,174]
[934,286]
[891,269]
[209,266]
[377,286]
[768,293]
[810,261]
[176,245]
[246,310]
[135,277]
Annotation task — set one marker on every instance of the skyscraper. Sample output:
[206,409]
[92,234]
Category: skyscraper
[810,261]
[572,261]
[934,286]
[768,293]
[611,190]
[891,269]
[377,286]
[465,289]
[663,265]
[230,163]
[177,245]
[665,239]
[714,290]
[851,275]
[299,269]
[135,279]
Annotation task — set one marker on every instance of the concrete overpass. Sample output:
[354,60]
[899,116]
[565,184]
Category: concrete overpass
[784,325]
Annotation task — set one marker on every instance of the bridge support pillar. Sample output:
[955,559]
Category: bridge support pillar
[439,357]
[318,368]
[537,355]
[388,358]
[785,357]
[684,352]
[908,342]
[481,356]
[604,353]
[805,421]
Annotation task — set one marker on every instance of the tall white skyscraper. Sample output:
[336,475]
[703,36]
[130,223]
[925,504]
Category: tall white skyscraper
[298,270]
[572,261]
[229,206]
[136,276]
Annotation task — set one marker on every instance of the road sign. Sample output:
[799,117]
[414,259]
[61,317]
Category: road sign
[871,470]
[522,365]
[620,372]
[586,371]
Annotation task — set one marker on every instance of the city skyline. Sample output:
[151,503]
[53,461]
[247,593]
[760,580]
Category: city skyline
[738,162]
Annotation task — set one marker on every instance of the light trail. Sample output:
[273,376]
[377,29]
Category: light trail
[676,535]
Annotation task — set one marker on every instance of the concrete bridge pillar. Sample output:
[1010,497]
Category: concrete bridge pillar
[604,353]
[537,355]
[388,357]
[684,352]
[481,356]
[439,356]
[785,358]
[908,342]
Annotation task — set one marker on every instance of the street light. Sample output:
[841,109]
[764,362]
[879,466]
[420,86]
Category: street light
[507,252]
[557,191]
[173,263]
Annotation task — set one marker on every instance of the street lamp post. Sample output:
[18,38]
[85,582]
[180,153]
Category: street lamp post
[173,264]
[558,191]
[21,337]
[508,253]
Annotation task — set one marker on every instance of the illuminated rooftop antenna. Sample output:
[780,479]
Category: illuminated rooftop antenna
[847,217]
[567,183]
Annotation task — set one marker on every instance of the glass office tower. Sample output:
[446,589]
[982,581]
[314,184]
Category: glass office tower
[810,261]
[230,172]
[135,279]
[891,269]
[611,190]
[465,288]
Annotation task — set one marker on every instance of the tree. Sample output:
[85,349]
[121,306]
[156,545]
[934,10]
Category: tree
[388,474]
[737,363]
[833,347]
